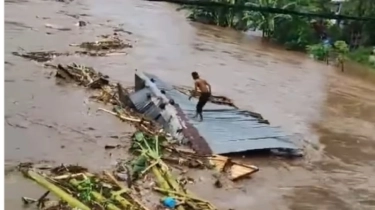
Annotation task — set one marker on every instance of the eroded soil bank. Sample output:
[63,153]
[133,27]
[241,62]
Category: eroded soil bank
[333,112]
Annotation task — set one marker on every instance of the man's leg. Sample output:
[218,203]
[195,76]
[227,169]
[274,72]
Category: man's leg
[199,108]
[196,109]
[200,114]
[204,100]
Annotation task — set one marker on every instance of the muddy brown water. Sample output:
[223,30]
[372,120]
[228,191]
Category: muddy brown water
[333,112]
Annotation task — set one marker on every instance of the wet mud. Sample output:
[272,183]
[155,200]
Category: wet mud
[330,113]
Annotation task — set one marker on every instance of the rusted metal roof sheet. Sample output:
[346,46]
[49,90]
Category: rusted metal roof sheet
[225,129]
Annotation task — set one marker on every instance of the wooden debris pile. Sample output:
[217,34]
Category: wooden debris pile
[183,157]
[108,44]
[82,75]
[40,56]
[114,94]
[78,189]
[234,169]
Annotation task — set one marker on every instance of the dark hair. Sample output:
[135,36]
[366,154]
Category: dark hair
[195,75]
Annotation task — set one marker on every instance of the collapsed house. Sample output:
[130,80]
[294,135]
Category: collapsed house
[225,129]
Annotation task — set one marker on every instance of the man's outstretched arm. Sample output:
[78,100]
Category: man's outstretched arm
[195,91]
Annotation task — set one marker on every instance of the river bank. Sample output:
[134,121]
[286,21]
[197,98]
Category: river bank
[305,98]
[321,38]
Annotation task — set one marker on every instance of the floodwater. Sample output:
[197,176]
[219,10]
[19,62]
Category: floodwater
[333,112]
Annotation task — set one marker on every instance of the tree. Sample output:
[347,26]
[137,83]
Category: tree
[266,21]
[361,8]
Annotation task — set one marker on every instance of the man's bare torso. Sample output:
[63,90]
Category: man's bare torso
[201,84]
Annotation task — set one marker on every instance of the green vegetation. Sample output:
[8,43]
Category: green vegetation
[361,55]
[301,33]
[339,51]
[319,51]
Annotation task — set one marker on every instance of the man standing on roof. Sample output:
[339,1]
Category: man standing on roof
[202,86]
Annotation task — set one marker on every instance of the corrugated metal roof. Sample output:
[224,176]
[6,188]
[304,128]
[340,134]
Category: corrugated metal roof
[143,103]
[227,129]
[149,100]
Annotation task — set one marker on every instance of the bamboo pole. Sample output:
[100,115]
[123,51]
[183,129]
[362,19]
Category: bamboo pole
[160,180]
[112,178]
[121,116]
[172,181]
[73,202]
[164,184]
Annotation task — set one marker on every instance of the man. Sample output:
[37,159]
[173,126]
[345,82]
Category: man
[202,86]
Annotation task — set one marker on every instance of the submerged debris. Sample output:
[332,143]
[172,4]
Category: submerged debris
[111,43]
[78,188]
[234,169]
[105,47]
[82,75]
[70,168]
[114,94]
[40,56]
[122,30]
[81,23]
[60,28]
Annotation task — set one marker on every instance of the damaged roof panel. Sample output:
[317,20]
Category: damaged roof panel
[146,106]
[227,129]
[140,100]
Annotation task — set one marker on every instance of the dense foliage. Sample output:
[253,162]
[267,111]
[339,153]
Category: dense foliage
[339,51]
[296,32]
